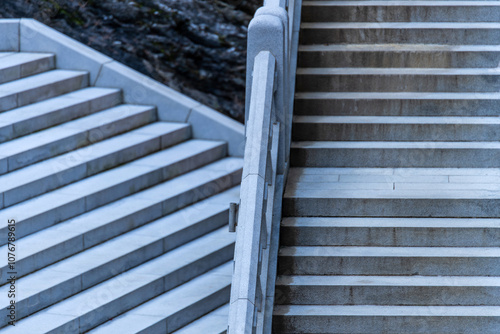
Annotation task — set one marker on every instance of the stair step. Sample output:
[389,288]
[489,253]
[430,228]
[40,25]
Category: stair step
[176,308]
[413,261]
[42,115]
[388,290]
[395,154]
[392,232]
[69,136]
[395,128]
[20,65]
[121,253]
[399,56]
[400,11]
[385,319]
[214,322]
[454,33]
[34,180]
[40,87]
[65,239]
[131,288]
[398,80]
[429,202]
[397,104]
[49,209]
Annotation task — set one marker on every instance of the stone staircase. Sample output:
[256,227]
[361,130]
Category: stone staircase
[392,207]
[121,219]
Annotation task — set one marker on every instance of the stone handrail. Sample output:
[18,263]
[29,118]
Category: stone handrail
[271,63]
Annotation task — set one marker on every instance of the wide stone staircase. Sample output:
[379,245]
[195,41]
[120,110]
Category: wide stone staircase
[391,214]
[121,220]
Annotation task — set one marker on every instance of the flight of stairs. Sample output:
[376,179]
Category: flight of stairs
[121,220]
[391,214]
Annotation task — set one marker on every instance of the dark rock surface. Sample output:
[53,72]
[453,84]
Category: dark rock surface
[197,47]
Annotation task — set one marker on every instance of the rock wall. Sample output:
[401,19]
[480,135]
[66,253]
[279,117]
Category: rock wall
[197,47]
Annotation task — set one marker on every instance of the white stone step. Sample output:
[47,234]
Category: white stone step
[50,174]
[131,288]
[400,11]
[176,308]
[40,87]
[397,104]
[453,33]
[388,290]
[38,116]
[398,79]
[426,261]
[478,154]
[214,322]
[70,201]
[64,239]
[72,135]
[121,253]
[399,55]
[395,128]
[393,232]
[21,64]
[385,319]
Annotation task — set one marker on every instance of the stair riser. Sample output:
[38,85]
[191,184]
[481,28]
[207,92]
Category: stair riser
[387,295]
[373,207]
[396,107]
[401,13]
[390,236]
[58,116]
[156,287]
[79,139]
[194,311]
[44,92]
[82,205]
[395,265]
[26,69]
[395,132]
[406,59]
[397,83]
[85,241]
[384,324]
[394,158]
[404,36]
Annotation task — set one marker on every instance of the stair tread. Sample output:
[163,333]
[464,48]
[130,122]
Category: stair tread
[313,280]
[387,311]
[86,156]
[214,322]
[369,251]
[161,308]
[386,71]
[381,47]
[374,222]
[399,95]
[395,145]
[78,234]
[38,80]
[19,121]
[44,144]
[400,25]
[453,120]
[75,196]
[405,3]
[19,65]
[94,299]
[479,172]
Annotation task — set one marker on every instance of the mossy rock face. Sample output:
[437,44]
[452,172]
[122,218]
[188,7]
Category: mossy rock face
[195,46]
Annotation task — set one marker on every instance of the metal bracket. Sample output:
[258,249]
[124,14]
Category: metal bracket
[233,216]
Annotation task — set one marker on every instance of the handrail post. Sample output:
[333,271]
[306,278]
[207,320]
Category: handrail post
[268,31]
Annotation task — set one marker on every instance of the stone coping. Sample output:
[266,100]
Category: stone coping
[29,35]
